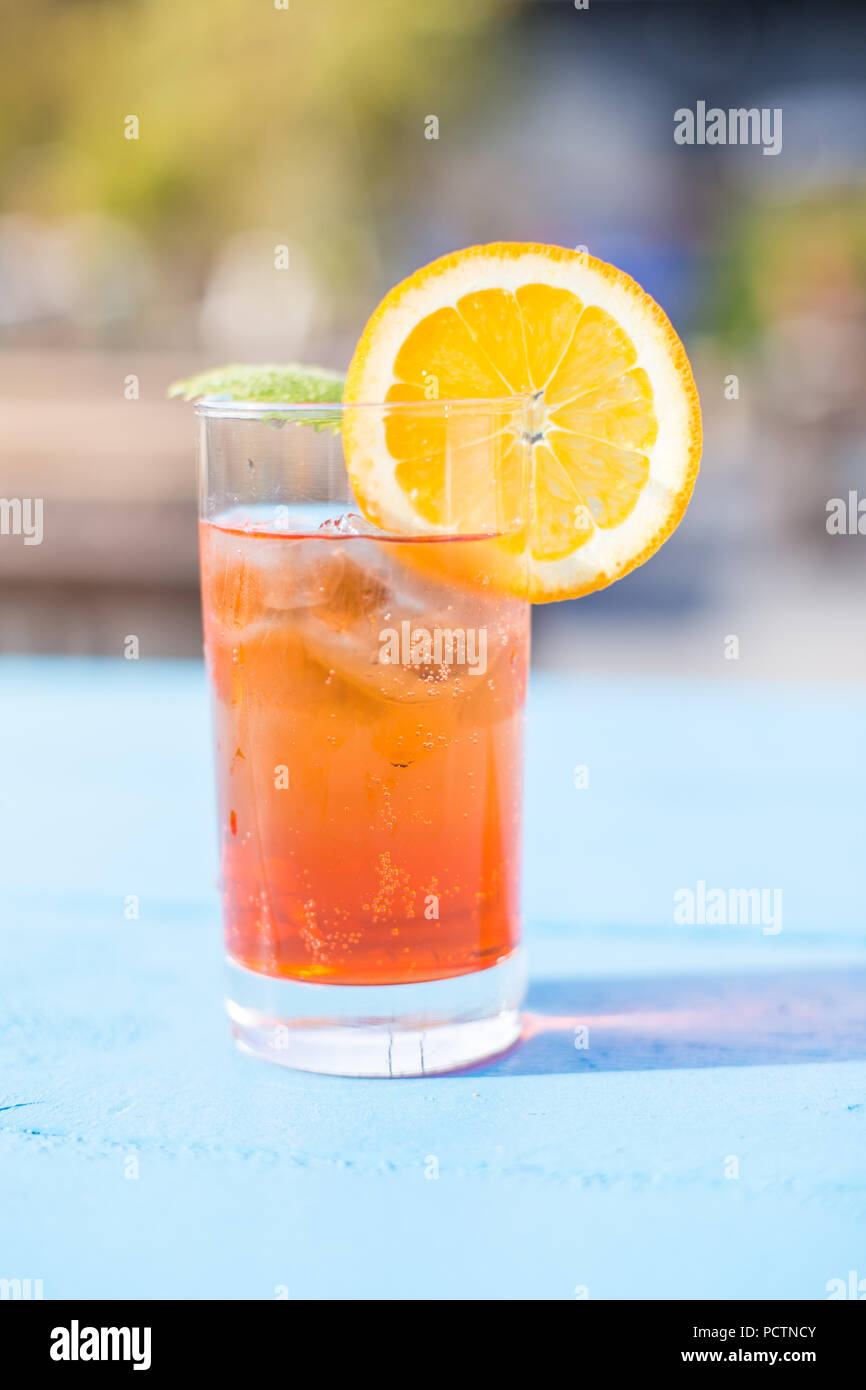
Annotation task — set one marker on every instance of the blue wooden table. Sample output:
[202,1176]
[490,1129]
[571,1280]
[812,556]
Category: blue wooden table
[708,1142]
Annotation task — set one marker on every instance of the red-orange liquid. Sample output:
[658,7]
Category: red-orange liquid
[369,811]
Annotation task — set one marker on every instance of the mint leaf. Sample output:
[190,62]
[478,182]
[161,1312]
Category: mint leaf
[290,384]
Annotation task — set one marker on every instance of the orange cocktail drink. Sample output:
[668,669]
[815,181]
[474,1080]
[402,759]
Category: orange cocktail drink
[369,722]
[368,686]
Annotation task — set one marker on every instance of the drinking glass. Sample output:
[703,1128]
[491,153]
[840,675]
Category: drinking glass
[368,685]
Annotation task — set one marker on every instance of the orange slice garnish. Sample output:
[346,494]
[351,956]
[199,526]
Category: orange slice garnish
[616,439]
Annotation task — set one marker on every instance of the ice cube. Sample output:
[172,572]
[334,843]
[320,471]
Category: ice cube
[345,593]
[352,583]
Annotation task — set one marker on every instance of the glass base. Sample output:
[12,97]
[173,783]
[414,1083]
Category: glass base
[378,1030]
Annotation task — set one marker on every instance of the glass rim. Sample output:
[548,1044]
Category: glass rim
[215,408]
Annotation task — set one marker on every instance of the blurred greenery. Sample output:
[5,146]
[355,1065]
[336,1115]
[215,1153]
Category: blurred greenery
[309,122]
[249,114]
[780,258]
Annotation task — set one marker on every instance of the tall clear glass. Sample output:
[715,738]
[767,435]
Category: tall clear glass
[368,692]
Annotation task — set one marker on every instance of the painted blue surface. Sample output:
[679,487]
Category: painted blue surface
[557,1167]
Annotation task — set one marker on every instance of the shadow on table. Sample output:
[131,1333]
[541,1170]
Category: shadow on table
[689,1021]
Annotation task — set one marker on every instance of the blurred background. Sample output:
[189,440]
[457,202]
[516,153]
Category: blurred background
[153,154]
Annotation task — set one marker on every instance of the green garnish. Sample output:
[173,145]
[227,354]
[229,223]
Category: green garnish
[290,384]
